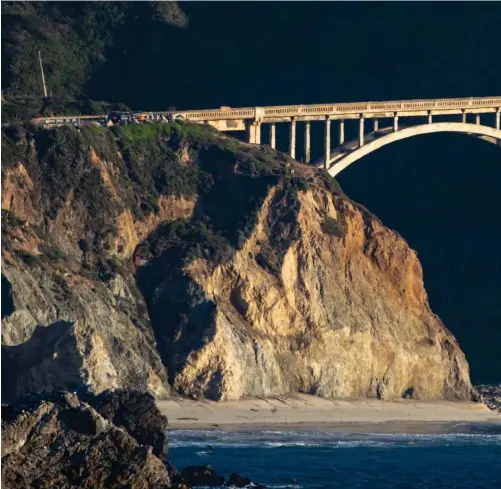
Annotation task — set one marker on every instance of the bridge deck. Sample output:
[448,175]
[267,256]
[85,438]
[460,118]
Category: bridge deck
[281,113]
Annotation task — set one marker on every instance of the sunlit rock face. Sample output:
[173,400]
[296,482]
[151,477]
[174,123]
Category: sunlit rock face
[342,314]
[174,258]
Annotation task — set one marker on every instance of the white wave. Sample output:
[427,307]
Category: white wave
[286,486]
[278,439]
[203,454]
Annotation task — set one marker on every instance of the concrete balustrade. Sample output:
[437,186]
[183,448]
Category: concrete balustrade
[320,111]
[251,119]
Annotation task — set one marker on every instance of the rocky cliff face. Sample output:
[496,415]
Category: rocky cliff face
[342,314]
[172,257]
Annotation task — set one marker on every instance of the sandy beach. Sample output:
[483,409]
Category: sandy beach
[307,411]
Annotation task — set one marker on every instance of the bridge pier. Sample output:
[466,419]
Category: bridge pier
[376,125]
[273,140]
[361,131]
[307,151]
[430,118]
[463,120]
[341,132]
[395,123]
[292,139]
[327,142]
[254,133]
[477,119]
[498,118]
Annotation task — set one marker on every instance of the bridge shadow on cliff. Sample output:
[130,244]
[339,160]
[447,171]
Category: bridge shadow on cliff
[441,192]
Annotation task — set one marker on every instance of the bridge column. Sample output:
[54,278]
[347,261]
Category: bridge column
[327,143]
[292,139]
[361,131]
[307,151]
[395,123]
[477,119]
[254,133]
[430,117]
[341,132]
[464,117]
[273,141]
[498,118]
[376,125]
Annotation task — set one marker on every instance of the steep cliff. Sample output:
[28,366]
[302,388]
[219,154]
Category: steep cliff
[171,257]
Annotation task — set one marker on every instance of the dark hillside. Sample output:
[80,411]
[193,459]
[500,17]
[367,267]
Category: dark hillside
[74,39]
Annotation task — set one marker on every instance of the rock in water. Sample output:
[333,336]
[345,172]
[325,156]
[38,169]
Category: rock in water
[58,441]
[201,475]
[236,480]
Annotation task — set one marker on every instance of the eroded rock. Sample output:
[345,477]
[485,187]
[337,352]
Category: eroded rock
[490,395]
[215,268]
[236,480]
[137,413]
[336,315]
[57,440]
[201,475]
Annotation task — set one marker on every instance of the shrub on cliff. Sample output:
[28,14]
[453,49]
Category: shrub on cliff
[333,227]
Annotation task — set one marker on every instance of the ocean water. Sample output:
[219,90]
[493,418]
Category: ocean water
[467,458]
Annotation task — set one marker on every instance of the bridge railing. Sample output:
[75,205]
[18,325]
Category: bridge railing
[403,105]
[343,108]
[271,112]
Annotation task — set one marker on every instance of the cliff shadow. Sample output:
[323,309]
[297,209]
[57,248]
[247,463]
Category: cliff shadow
[50,358]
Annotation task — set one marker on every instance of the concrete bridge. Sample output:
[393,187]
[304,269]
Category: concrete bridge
[479,117]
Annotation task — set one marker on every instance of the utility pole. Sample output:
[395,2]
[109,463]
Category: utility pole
[43,76]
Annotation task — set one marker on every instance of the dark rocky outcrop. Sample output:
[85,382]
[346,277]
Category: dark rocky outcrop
[201,475]
[236,480]
[56,440]
[490,395]
[137,413]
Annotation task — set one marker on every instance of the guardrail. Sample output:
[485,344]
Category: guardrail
[262,113]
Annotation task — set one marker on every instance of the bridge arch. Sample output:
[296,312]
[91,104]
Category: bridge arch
[341,160]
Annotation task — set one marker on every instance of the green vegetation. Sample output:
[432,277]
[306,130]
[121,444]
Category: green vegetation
[187,240]
[29,258]
[136,165]
[13,146]
[333,227]
[10,220]
[52,253]
[282,226]
[76,40]
[153,167]
[330,183]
